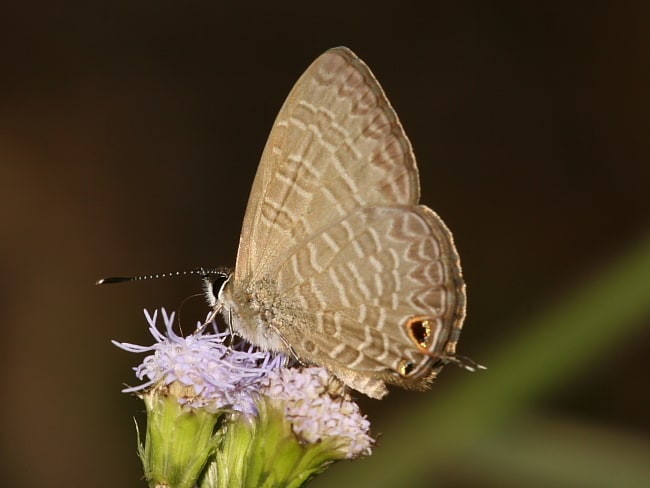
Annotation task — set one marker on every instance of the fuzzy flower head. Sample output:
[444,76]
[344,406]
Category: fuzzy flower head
[202,371]
[316,411]
[236,417]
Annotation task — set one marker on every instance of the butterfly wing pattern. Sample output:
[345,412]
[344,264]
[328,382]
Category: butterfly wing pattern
[338,263]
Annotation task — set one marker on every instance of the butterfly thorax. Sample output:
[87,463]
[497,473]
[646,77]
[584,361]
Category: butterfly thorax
[255,312]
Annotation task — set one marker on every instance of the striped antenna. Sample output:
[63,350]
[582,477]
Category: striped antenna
[203,273]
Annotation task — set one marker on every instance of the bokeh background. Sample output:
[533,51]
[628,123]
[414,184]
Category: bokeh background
[130,133]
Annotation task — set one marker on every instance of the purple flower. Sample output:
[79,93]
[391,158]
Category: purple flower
[236,416]
[215,376]
[316,413]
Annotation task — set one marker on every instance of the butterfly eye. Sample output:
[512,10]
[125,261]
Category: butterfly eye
[419,330]
[213,281]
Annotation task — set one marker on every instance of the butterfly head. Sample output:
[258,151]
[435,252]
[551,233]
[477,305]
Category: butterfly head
[213,282]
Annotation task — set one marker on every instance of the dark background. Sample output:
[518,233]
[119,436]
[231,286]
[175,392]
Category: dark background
[130,133]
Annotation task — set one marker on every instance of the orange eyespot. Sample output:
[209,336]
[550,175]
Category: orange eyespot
[420,331]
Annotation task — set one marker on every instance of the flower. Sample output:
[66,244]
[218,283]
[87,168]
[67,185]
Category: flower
[316,412]
[222,415]
[216,376]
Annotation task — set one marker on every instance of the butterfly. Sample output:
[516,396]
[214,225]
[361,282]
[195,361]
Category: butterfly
[338,263]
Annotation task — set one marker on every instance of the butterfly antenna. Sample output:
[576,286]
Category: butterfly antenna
[202,272]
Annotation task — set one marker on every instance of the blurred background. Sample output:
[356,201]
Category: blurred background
[130,133]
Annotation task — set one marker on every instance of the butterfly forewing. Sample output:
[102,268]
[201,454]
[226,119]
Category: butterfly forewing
[336,145]
[337,262]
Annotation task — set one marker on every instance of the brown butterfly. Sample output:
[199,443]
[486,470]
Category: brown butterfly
[338,263]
